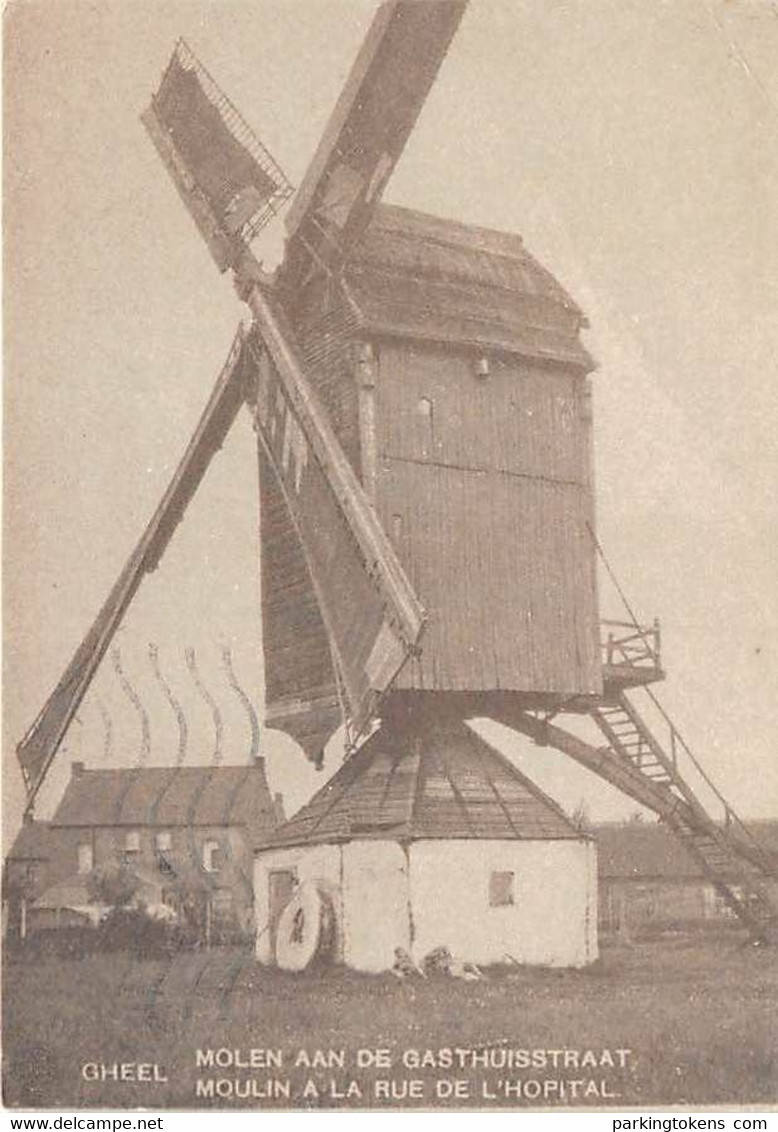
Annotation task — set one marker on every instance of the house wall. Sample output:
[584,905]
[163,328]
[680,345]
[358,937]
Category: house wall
[28,874]
[637,905]
[484,485]
[24,879]
[319,865]
[231,887]
[552,921]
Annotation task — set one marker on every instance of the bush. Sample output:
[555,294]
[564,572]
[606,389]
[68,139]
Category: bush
[112,885]
[71,941]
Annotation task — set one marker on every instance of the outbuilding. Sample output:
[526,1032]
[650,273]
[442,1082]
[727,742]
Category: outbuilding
[424,842]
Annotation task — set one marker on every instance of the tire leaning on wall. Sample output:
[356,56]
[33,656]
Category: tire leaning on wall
[304,929]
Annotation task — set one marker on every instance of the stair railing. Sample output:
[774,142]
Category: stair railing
[732,821]
[677,741]
[634,645]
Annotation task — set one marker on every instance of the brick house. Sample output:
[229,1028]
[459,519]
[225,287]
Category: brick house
[185,834]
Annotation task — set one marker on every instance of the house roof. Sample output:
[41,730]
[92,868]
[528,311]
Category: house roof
[420,276]
[169,796]
[449,785]
[32,842]
[72,892]
[645,851]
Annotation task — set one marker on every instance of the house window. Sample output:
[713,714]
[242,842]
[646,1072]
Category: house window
[163,843]
[213,857]
[721,907]
[85,858]
[132,842]
[500,890]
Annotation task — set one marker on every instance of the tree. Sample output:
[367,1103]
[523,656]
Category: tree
[112,885]
[580,818]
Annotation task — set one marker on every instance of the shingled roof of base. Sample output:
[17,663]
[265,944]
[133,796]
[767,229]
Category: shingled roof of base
[455,786]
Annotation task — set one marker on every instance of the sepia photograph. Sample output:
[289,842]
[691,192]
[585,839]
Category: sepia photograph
[390,543]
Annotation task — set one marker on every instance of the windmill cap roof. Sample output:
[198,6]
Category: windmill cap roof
[409,237]
[418,275]
[453,786]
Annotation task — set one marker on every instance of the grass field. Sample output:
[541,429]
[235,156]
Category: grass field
[697,1013]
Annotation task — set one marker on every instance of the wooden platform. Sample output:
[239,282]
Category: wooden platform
[631,656]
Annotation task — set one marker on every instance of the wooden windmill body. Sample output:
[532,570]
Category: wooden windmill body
[420,395]
[450,365]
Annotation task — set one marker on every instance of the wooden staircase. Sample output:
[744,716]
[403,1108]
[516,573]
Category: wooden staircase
[741,871]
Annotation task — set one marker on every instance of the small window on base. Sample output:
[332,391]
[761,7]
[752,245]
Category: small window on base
[212,857]
[500,890]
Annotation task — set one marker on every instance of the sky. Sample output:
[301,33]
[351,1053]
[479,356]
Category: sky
[632,145]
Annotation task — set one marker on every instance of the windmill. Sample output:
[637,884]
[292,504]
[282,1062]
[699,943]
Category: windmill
[420,396]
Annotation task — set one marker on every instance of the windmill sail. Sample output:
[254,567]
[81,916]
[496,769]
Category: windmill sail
[372,120]
[372,616]
[39,746]
[227,179]
[301,689]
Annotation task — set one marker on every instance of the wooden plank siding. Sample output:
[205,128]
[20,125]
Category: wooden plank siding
[484,485]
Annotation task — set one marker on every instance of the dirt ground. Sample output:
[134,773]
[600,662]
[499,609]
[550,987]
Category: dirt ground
[697,1016]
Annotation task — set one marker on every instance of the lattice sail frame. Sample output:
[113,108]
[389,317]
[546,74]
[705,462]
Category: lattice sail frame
[184,58]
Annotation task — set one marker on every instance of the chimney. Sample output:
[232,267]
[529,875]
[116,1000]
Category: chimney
[278,808]
[76,769]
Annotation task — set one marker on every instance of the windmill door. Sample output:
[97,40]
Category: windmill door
[283,883]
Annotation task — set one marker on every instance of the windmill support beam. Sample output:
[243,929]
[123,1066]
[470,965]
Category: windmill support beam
[597,759]
[619,773]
